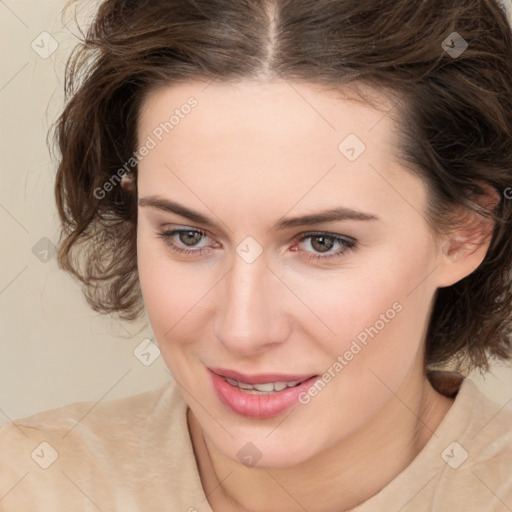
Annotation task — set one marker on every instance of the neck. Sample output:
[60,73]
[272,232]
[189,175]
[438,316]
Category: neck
[344,476]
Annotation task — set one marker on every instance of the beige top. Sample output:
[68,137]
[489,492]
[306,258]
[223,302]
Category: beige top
[135,454]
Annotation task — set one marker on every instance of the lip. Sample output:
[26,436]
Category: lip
[258,406]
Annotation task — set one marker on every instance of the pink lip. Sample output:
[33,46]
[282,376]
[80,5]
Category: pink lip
[258,406]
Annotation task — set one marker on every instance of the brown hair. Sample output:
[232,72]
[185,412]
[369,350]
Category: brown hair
[455,121]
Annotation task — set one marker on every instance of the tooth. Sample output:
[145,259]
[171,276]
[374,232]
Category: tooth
[243,385]
[279,386]
[292,383]
[264,387]
[232,382]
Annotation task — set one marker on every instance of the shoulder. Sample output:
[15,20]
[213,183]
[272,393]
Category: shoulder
[487,434]
[73,420]
[110,452]
[481,422]
[474,453]
[478,453]
[465,466]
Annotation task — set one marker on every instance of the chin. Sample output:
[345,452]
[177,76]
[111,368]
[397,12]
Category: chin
[261,452]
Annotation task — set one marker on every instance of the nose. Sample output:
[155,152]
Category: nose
[251,314]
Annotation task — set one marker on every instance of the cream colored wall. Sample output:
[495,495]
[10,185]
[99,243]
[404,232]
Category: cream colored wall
[54,349]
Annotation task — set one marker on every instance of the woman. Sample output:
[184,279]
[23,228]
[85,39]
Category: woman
[311,201]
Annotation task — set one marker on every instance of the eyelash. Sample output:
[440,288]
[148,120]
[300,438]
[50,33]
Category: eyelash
[348,244]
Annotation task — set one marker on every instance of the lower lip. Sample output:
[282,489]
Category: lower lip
[258,406]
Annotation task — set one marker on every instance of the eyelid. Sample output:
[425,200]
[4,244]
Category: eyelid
[307,234]
[176,228]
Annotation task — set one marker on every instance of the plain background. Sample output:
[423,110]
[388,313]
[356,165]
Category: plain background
[55,350]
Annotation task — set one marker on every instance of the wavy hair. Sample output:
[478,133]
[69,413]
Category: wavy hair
[454,114]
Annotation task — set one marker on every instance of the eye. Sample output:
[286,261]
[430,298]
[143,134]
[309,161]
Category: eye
[320,242]
[324,242]
[188,237]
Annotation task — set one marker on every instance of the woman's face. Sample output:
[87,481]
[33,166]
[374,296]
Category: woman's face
[264,297]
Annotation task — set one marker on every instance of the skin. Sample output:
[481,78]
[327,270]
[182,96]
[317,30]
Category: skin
[248,155]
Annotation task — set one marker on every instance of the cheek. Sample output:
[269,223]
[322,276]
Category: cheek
[380,327]
[173,292]
[385,293]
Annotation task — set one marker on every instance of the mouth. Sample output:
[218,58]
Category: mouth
[265,388]
[259,396]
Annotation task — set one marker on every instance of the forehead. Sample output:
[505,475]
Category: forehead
[268,109]
[270,140]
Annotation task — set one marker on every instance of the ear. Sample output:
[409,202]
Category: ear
[127,181]
[464,249]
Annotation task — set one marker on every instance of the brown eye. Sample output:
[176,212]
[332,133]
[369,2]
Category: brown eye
[179,239]
[322,243]
[190,237]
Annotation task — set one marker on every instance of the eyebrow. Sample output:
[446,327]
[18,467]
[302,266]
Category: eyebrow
[332,215]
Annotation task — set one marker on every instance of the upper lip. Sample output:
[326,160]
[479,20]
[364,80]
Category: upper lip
[260,378]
